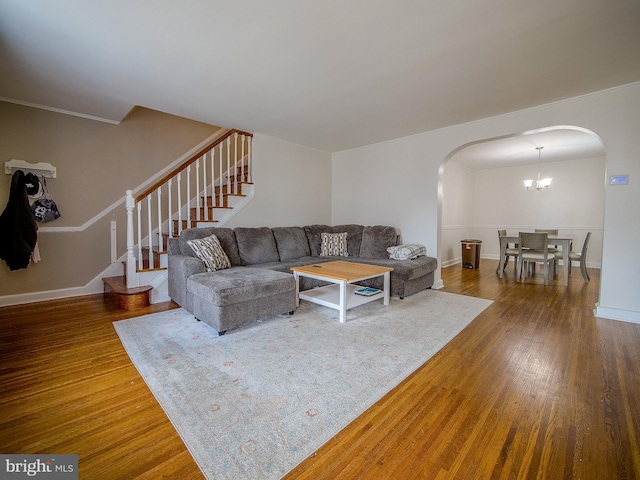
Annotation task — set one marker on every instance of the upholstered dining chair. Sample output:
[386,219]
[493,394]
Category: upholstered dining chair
[533,248]
[554,249]
[509,252]
[550,231]
[578,257]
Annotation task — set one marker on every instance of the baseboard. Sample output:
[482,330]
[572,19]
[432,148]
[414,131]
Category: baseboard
[32,297]
[94,286]
[617,314]
[490,256]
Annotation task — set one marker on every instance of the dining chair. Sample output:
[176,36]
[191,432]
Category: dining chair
[509,252]
[555,248]
[533,248]
[551,232]
[578,257]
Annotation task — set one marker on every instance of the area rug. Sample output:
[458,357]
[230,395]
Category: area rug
[257,401]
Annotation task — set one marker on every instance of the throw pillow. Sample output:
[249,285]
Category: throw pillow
[375,241]
[407,252]
[333,245]
[210,251]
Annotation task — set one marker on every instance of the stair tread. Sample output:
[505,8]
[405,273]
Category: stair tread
[119,285]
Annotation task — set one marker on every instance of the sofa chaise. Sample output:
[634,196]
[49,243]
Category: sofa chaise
[256,280]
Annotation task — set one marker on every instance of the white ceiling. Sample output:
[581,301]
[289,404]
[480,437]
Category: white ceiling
[328,74]
[558,145]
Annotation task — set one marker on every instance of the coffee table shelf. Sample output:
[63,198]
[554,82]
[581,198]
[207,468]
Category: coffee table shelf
[342,275]
[329,296]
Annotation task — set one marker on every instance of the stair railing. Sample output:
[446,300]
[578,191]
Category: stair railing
[171,204]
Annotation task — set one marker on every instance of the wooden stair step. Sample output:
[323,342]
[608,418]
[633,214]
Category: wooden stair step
[129,299]
[205,211]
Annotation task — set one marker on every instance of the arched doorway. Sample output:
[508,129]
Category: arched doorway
[481,190]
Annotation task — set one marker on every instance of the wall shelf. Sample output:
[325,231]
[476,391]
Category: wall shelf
[40,168]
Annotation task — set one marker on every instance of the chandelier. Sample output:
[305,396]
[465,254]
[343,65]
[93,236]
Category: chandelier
[540,183]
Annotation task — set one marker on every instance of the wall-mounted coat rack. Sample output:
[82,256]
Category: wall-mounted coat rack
[40,168]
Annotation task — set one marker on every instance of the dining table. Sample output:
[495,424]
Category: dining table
[553,240]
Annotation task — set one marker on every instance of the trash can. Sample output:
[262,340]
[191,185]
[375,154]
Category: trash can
[470,253]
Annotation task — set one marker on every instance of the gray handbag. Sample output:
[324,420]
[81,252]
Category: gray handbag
[45,209]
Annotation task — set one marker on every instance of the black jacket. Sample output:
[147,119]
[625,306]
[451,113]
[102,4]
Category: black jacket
[18,227]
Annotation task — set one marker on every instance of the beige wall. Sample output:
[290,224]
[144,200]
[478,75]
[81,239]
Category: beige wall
[96,163]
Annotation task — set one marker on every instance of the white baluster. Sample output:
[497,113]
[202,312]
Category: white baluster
[243,139]
[149,232]
[235,162]
[197,191]
[132,278]
[188,196]
[228,165]
[139,205]
[179,203]
[204,187]
[160,239]
[250,159]
[221,177]
[170,211]
[213,179]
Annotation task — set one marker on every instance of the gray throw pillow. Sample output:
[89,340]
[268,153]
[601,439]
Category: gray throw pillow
[291,242]
[375,241]
[210,252]
[256,245]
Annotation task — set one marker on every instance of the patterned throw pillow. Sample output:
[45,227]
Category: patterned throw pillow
[407,252]
[210,251]
[333,245]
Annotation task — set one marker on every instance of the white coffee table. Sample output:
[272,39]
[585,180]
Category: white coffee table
[342,275]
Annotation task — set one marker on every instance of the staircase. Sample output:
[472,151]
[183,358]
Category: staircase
[208,189]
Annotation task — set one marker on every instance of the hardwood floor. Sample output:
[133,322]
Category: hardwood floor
[535,387]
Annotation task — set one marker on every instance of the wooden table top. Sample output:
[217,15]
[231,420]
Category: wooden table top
[341,270]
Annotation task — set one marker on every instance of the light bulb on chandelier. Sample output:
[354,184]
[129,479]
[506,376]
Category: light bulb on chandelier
[540,183]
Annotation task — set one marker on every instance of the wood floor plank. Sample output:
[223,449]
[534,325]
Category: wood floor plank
[535,387]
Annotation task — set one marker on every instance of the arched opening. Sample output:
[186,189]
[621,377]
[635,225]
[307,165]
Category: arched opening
[480,190]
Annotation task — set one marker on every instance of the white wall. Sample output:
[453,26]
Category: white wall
[398,182]
[292,186]
[574,205]
[458,210]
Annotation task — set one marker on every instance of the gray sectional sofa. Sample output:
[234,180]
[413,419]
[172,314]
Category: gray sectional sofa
[259,282]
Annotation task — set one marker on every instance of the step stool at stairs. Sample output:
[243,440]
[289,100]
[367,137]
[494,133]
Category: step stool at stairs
[129,299]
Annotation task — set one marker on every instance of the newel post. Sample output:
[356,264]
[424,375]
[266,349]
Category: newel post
[132,278]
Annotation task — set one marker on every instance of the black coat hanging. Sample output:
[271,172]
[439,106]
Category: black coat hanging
[18,227]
